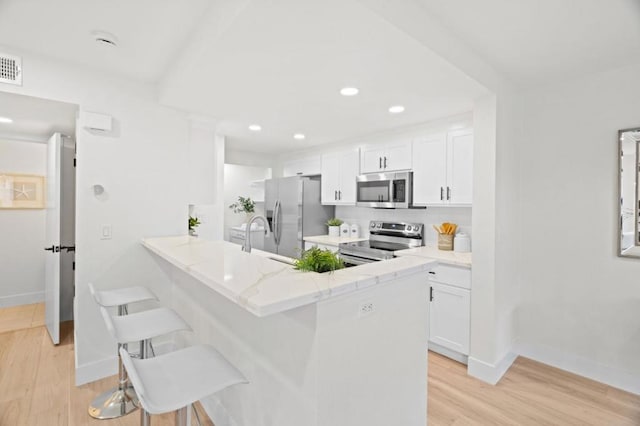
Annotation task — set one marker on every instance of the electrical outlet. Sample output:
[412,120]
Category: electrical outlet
[366,308]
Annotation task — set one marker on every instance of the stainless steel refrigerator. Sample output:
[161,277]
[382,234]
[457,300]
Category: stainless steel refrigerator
[293,210]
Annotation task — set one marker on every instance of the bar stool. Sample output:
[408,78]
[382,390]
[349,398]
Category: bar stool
[173,381]
[122,399]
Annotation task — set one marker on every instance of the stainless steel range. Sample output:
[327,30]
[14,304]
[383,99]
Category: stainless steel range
[384,239]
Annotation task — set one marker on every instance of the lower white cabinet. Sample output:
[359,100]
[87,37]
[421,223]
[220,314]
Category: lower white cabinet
[308,245]
[450,309]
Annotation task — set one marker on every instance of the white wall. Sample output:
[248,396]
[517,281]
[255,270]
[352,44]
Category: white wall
[242,181]
[22,232]
[143,166]
[581,303]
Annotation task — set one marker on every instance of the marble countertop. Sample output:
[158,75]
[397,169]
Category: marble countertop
[332,241]
[446,257]
[264,286]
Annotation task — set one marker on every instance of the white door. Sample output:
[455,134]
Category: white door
[397,156]
[450,316]
[52,238]
[330,179]
[349,170]
[429,171]
[460,167]
[371,159]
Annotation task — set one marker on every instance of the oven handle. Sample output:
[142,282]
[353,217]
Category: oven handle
[355,260]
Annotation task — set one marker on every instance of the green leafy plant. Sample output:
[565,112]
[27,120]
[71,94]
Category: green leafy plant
[243,204]
[334,222]
[318,260]
[194,222]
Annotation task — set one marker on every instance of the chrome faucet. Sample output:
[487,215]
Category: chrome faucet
[247,234]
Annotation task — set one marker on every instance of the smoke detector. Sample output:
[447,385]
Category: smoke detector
[104,38]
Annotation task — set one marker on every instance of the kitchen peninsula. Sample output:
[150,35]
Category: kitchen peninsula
[333,349]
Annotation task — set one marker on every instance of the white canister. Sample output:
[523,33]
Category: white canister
[345,230]
[355,231]
[462,243]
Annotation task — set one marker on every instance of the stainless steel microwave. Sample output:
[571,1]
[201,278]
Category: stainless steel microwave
[385,190]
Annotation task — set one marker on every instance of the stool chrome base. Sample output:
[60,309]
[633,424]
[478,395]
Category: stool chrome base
[114,403]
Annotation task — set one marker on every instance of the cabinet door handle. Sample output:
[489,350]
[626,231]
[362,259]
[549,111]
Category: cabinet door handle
[441,194]
[431,294]
[335,195]
[385,162]
[339,195]
[448,193]
[380,162]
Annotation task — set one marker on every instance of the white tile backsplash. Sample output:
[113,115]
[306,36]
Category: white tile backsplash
[431,216]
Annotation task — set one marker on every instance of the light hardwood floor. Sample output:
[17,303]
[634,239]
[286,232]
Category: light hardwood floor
[37,388]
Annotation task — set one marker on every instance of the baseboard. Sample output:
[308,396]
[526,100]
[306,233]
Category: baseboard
[456,356]
[21,299]
[490,373]
[622,379]
[106,367]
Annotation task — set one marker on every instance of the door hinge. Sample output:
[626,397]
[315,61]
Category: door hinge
[430,294]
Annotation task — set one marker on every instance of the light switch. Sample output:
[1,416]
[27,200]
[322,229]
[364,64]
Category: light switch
[106,232]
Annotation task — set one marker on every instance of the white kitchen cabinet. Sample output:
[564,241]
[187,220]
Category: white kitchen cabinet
[443,169]
[450,311]
[387,157]
[308,166]
[308,245]
[338,180]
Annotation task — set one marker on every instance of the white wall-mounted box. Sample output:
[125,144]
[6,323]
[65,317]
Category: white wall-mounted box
[95,122]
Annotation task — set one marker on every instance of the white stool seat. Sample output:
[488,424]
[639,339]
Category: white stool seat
[175,380]
[121,296]
[143,325]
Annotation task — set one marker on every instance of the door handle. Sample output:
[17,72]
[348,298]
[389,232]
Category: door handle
[385,162]
[51,249]
[339,195]
[441,194]
[68,248]
[380,162]
[448,193]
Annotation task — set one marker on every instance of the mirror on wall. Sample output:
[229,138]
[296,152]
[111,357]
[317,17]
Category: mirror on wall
[629,196]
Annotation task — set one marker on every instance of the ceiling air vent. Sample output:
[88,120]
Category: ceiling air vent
[10,69]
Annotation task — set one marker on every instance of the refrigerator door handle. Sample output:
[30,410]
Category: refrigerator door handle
[279,219]
[274,222]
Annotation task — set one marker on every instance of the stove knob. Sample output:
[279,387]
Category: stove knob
[379,225]
[408,228]
[373,225]
[415,228]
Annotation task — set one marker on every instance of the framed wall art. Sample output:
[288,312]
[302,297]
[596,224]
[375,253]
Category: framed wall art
[21,191]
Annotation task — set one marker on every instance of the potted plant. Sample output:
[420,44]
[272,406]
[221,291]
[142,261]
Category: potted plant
[334,227]
[194,222]
[318,260]
[246,205]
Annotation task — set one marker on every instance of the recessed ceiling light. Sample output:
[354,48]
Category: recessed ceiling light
[104,38]
[396,109]
[349,91]
[298,136]
[255,128]
[5,120]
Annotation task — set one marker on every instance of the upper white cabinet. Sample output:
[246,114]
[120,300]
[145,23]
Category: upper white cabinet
[386,157]
[307,166]
[443,169]
[338,180]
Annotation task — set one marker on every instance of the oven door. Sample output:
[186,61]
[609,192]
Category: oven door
[350,260]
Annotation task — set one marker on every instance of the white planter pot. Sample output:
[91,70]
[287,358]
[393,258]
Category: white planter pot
[334,231]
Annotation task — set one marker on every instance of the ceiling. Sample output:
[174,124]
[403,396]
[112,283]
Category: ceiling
[535,42]
[35,119]
[281,63]
[149,32]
